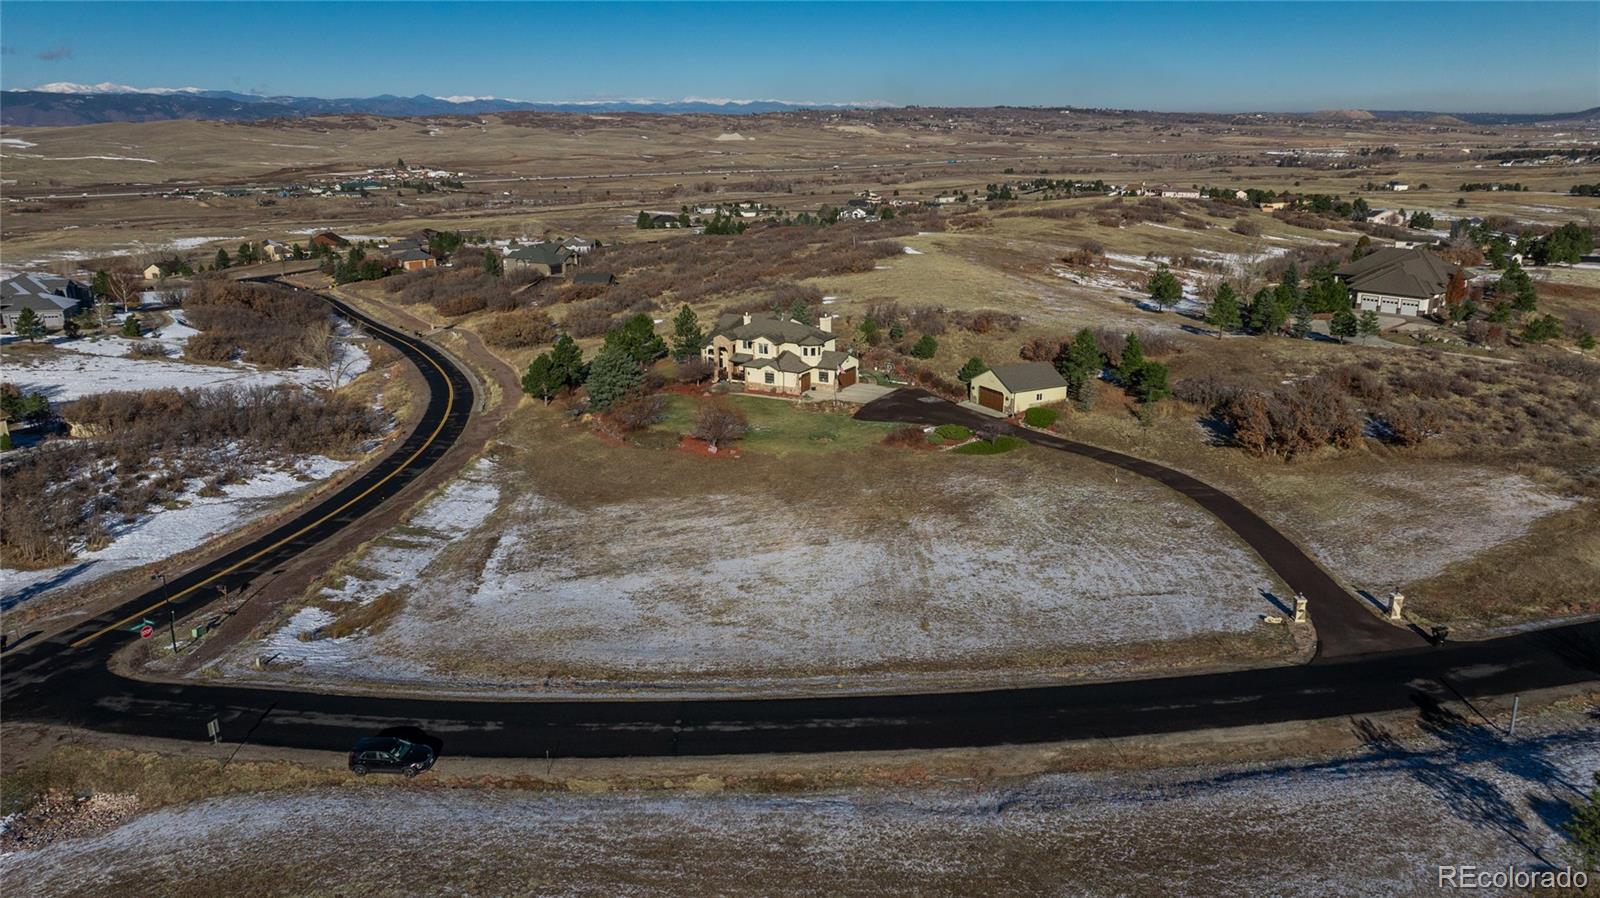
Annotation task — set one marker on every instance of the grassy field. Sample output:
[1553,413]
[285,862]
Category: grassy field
[780,427]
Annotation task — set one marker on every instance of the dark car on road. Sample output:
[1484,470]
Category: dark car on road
[387,754]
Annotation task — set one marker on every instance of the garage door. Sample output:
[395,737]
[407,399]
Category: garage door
[847,377]
[991,399]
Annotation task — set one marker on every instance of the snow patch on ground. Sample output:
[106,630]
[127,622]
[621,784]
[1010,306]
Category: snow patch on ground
[1376,822]
[16,142]
[165,532]
[666,592]
[913,252]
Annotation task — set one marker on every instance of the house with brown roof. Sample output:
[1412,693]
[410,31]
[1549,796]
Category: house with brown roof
[329,240]
[1013,389]
[770,353]
[415,260]
[546,258]
[1395,281]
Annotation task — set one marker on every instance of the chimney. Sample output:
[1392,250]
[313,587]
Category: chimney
[747,318]
[825,323]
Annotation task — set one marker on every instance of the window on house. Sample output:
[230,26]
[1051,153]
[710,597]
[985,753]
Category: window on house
[771,378]
[744,344]
[1038,397]
[822,377]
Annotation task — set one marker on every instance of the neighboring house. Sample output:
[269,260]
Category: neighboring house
[51,297]
[1013,389]
[579,246]
[1398,185]
[945,199]
[1273,206]
[855,213]
[277,252]
[707,210]
[329,240]
[152,272]
[415,260]
[862,202]
[545,258]
[1386,217]
[602,278]
[1177,193]
[664,220]
[771,353]
[1395,281]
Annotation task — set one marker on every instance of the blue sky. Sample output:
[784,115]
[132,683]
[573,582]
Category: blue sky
[1462,57]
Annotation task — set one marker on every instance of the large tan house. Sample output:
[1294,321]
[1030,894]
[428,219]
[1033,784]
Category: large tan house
[775,354]
[1393,281]
[1013,389]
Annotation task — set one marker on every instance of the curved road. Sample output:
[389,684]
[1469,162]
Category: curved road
[66,679]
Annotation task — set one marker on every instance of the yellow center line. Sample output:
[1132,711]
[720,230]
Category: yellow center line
[450,398]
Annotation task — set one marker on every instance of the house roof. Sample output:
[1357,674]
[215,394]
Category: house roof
[787,362]
[40,292]
[779,329]
[541,254]
[411,255]
[1023,377]
[832,358]
[1399,272]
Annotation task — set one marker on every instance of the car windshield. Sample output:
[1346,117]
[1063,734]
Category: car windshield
[400,750]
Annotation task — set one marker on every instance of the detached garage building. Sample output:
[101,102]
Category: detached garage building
[1013,389]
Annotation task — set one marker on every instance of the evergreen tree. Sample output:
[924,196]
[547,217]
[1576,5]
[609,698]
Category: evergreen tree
[222,260]
[1266,313]
[1301,327]
[131,328]
[1079,363]
[27,324]
[925,347]
[971,369]
[799,311]
[871,332]
[101,285]
[1501,313]
[1224,311]
[637,338]
[492,266]
[687,337]
[1344,325]
[897,332]
[297,251]
[542,379]
[1362,248]
[613,375]
[567,361]
[1291,283]
[1165,290]
[1585,340]
[1132,360]
[1516,283]
[643,222]
[1368,325]
[1149,383]
[1584,828]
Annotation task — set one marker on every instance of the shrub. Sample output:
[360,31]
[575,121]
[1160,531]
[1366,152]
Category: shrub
[1249,227]
[910,436]
[519,329]
[719,424]
[955,433]
[1039,416]
[637,414]
[267,326]
[147,349]
[990,447]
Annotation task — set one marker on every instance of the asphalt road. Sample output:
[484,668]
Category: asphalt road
[66,680]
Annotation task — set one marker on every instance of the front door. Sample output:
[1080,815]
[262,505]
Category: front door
[805,381]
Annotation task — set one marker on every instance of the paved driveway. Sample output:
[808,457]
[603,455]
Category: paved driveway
[859,393]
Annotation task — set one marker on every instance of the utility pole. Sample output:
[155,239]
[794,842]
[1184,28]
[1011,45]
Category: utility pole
[172,615]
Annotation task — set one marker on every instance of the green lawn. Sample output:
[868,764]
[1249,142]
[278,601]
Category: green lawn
[780,427]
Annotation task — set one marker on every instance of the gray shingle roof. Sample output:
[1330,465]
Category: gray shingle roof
[1399,272]
[1024,377]
[778,329]
[541,254]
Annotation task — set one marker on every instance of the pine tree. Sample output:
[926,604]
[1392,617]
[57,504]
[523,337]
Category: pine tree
[566,360]
[1585,340]
[613,375]
[1149,383]
[542,379]
[687,337]
[1368,324]
[1132,360]
[638,338]
[1224,311]
[1164,287]
[131,328]
[1516,283]
[925,347]
[1079,363]
[222,260]
[492,266]
[971,369]
[1584,828]
[27,324]
[1344,325]
[1301,328]
[101,285]
[643,222]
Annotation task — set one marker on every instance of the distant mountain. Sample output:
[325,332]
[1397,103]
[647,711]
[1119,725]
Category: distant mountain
[66,103]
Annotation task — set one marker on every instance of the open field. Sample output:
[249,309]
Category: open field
[715,572]
[1375,821]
